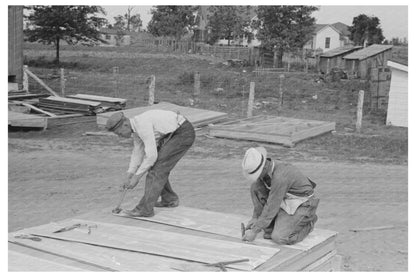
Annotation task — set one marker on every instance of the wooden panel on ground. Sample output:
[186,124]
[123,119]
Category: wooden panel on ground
[70,105]
[26,120]
[280,130]
[197,117]
[23,262]
[316,257]
[225,224]
[116,103]
[167,244]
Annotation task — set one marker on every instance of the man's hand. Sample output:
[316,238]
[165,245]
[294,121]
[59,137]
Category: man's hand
[251,223]
[250,235]
[126,180]
[133,181]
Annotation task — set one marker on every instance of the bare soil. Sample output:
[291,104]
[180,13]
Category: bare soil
[59,174]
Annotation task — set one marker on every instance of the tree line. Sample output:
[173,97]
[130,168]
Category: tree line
[278,28]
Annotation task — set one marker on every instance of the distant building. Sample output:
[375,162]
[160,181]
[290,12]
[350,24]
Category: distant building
[397,110]
[334,58]
[115,37]
[15,52]
[361,62]
[329,36]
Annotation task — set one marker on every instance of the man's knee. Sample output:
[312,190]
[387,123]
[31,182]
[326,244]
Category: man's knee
[282,238]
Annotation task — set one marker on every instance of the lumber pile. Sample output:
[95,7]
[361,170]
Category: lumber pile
[180,239]
[54,103]
[110,102]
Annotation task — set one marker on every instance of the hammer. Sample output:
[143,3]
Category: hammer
[117,209]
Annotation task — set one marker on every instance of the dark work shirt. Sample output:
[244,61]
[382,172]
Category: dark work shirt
[285,178]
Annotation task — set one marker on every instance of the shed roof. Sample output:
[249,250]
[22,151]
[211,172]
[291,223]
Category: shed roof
[339,51]
[367,52]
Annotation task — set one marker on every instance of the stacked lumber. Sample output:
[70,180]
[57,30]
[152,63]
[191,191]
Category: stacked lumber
[179,239]
[23,94]
[198,117]
[111,102]
[63,104]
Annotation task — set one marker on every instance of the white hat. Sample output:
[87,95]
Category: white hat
[253,163]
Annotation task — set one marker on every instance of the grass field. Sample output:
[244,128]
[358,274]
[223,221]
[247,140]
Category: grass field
[225,88]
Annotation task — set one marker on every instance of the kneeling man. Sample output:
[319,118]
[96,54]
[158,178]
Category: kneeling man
[283,198]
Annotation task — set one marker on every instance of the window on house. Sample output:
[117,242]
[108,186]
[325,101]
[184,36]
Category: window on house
[327,42]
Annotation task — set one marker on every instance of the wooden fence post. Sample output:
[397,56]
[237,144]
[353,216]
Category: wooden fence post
[197,84]
[359,111]
[152,90]
[115,81]
[250,100]
[281,91]
[62,82]
[25,79]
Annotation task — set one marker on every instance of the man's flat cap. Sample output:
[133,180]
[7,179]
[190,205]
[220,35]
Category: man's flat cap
[115,120]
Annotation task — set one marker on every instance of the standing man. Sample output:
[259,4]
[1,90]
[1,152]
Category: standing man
[161,138]
[283,198]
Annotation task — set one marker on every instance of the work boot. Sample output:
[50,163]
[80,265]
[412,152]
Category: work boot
[267,235]
[137,213]
[161,204]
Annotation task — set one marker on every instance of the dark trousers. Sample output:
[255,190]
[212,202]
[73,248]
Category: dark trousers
[290,229]
[170,151]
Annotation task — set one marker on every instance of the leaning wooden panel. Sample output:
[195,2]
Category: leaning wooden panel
[279,130]
[161,243]
[197,117]
[23,262]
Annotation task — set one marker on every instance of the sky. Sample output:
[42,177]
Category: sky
[393,19]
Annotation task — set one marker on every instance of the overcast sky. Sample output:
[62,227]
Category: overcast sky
[393,19]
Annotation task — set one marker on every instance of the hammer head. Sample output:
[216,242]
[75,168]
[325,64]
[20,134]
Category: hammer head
[116,210]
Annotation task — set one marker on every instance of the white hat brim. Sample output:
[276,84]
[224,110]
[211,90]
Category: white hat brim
[253,177]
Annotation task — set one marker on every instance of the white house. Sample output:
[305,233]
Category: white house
[398,95]
[329,36]
[113,38]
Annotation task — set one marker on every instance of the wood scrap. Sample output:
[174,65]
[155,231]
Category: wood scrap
[372,228]
[70,105]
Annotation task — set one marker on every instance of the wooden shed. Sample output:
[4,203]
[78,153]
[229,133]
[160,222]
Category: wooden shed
[15,56]
[361,61]
[334,58]
[397,112]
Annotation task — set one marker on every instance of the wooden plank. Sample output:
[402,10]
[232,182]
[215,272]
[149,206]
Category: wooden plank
[117,260]
[24,262]
[197,117]
[58,99]
[26,120]
[98,98]
[225,224]
[34,108]
[40,82]
[160,243]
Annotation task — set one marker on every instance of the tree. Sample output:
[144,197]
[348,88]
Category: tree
[172,20]
[366,30]
[73,24]
[281,28]
[228,22]
[128,22]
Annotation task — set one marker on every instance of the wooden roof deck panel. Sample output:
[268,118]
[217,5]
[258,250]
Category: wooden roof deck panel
[288,258]
[160,243]
[280,130]
[198,117]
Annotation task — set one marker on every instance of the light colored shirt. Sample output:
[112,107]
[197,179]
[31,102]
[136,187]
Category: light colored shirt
[148,128]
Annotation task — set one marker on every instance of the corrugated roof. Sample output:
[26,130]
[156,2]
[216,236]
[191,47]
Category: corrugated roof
[368,52]
[339,51]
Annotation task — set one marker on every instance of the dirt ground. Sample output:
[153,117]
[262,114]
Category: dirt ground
[55,175]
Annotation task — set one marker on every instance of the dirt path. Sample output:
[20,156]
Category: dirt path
[52,180]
